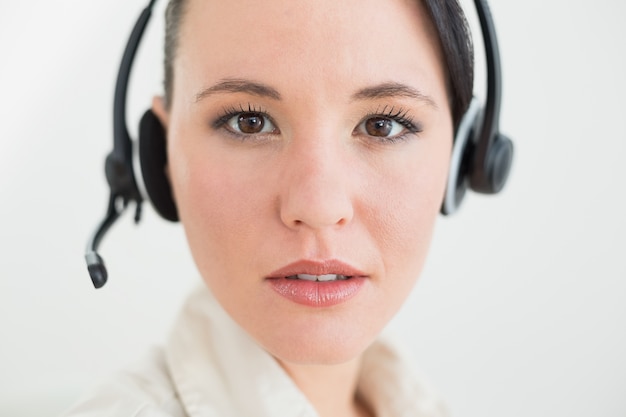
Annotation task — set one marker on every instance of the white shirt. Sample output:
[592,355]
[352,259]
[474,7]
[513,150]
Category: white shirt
[210,367]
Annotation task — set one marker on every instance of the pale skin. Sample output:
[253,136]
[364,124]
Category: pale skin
[311,130]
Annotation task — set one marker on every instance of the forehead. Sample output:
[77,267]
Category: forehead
[320,44]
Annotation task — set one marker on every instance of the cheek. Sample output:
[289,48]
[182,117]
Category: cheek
[220,208]
[403,209]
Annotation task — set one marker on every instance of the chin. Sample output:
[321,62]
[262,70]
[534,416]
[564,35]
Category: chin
[319,343]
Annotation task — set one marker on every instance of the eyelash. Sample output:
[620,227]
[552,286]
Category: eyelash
[228,113]
[399,115]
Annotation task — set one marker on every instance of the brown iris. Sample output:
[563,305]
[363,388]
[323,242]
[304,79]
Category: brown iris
[378,126]
[250,123]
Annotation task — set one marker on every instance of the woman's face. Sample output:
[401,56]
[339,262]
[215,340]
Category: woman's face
[309,139]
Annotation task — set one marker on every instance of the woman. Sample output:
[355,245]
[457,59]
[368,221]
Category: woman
[308,150]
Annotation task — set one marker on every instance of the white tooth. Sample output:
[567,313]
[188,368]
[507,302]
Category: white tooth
[327,277]
[308,277]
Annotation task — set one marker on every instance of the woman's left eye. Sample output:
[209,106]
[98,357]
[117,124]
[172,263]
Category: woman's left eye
[382,127]
[391,126]
[250,123]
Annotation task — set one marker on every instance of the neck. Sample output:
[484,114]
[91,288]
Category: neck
[331,389]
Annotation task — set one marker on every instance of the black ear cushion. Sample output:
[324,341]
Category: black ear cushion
[499,161]
[153,160]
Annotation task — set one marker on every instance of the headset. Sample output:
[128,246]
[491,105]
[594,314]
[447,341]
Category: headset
[481,156]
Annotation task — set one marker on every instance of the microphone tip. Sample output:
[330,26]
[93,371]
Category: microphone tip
[98,274]
[97,270]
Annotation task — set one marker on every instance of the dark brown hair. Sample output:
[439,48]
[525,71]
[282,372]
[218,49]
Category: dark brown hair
[173,18]
[449,22]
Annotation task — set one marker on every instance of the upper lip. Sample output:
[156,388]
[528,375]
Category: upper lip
[312,267]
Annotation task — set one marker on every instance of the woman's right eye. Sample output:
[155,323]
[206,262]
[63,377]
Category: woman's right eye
[249,123]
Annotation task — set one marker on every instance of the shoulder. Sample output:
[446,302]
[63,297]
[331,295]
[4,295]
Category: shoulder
[145,390]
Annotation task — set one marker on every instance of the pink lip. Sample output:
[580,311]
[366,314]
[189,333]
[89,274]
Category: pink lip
[317,268]
[315,293]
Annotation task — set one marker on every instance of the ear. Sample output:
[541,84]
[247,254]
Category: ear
[162,114]
[153,159]
[160,111]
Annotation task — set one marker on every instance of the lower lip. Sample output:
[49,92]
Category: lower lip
[317,293]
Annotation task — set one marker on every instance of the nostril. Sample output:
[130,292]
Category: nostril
[343,221]
[316,223]
[315,216]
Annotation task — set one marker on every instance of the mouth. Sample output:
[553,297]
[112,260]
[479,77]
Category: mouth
[317,284]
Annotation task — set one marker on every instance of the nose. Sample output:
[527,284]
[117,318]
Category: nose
[316,185]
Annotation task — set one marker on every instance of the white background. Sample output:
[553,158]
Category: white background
[521,310]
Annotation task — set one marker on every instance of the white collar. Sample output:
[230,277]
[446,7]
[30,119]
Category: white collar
[218,370]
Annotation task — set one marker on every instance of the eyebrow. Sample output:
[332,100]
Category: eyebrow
[393,89]
[236,85]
